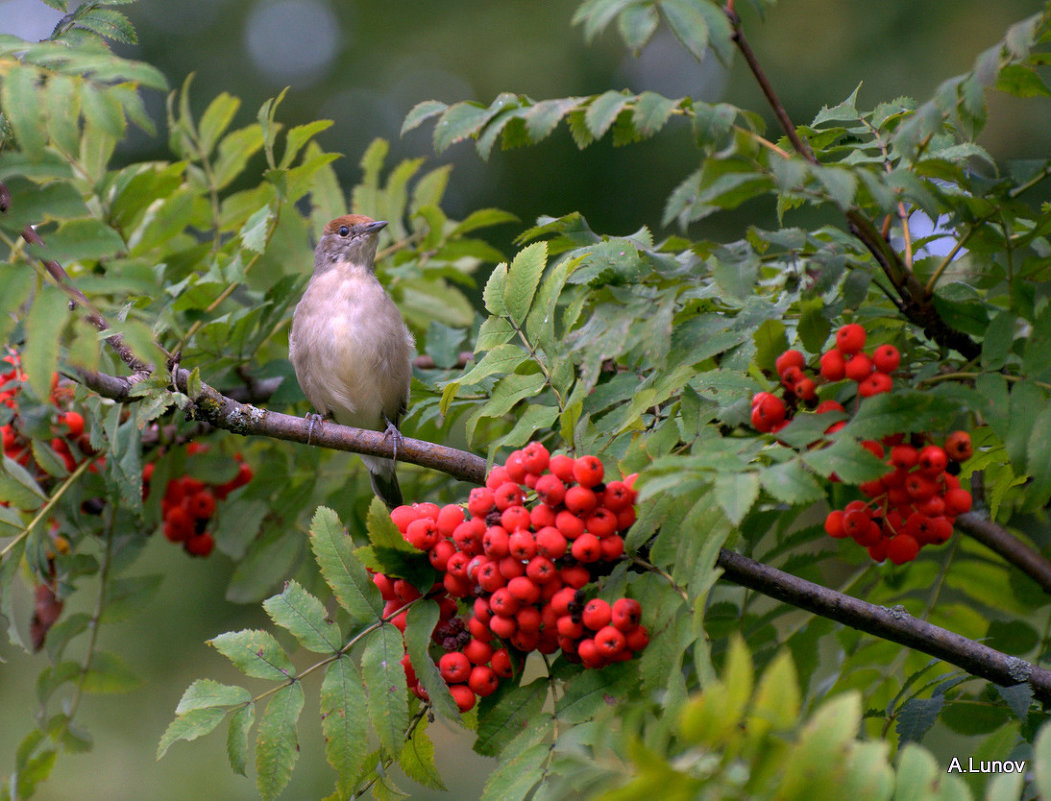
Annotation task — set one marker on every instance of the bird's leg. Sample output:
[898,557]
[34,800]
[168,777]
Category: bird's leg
[313,419]
[393,432]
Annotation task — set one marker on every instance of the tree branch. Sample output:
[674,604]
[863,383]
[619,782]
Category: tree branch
[221,411]
[997,538]
[894,624]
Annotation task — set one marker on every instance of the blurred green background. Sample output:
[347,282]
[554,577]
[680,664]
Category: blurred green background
[364,65]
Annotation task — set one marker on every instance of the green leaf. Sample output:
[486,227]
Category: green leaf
[651,112]
[1042,760]
[129,596]
[205,693]
[916,717]
[514,779]
[344,721]
[420,113]
[505,715]
[80,240]
[302,614]
[298,137]
[108,23]
[255,653]
[543,117]
[493,294]
[603,110]
[791,482]
[382,531]
[501,360]
[458,122]
[190,726]
[593,690]
[341,569]
[237,735]
[103,110]
[255,230]
[417,759]
[523,277]
[735,493]
[636,25]
[385,682]
[215,120]
[688,24]
[22,107]
[1038,461]
[903,410]
[420,621]
[999,337]
[277,741]
[847,459]
[44,324]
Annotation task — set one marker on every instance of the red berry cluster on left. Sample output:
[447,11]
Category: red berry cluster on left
[521,559]
[189,504]
[69,441]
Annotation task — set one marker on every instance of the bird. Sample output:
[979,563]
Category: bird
[349,345]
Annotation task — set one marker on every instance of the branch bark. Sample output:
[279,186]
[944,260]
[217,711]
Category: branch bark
[894,624]
[997,538]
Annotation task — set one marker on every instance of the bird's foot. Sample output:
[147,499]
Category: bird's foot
[392,432]
[313,419]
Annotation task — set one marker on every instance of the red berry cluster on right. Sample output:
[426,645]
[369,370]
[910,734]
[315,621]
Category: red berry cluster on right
[845,360]
[913,505]
[517,567]
[189,504]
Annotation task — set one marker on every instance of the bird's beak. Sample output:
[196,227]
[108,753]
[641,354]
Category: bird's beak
[376,227]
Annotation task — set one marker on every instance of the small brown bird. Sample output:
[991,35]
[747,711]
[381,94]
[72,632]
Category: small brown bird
[350,348]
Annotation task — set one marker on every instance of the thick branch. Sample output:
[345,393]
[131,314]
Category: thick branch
[999,539]
[224,412]
[893,624]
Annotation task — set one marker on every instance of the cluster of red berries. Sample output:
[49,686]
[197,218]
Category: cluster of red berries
[913,505]
[70,443]
[521,569]
[846,359]
[189,503]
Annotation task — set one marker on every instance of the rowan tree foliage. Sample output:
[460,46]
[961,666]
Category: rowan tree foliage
[151,300]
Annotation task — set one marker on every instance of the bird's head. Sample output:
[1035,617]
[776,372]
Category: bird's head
[351,238]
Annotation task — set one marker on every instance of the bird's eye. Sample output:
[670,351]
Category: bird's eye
[343,230]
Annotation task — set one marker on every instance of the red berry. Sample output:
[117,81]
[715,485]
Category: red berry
[551,542]
[199,544]
[569,524]
[576,576]
[455,667]
[478,651]
[958,501]
[522,589]
[450,516]
[463,696]
[439,555]
[790,358]
[792,376]
[423,534]
[501,663]
[496,542]
[385,586]
[612,547]
[483,681]
[511,567]
[562,600]
[610,641]
[833,366]
[626,613]
[489,577]
[457,565]
[767,411]
[503,603]
[859,367]
[588,471]
[602,522]
[902,549]
[561,466]
[932,461]
[850,338]
[503,626]
[550,489]
[597,613]
[515,466]
[875,384]
[507,495]
[515,518]
[638,638]
[589,653]
[805,389]
[179,525]
[522,545]
[480,502]
[829,406]
[73,421]
[886,359]
[537,458]
[958,446]
[834,524]
[904,457]
[497,476]
[586,548]
[541,570]
[468,536]
[201,504]
[618,496]
[401,516]
[541,515]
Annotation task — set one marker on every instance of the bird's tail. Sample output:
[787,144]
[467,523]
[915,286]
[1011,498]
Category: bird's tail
[384,480]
